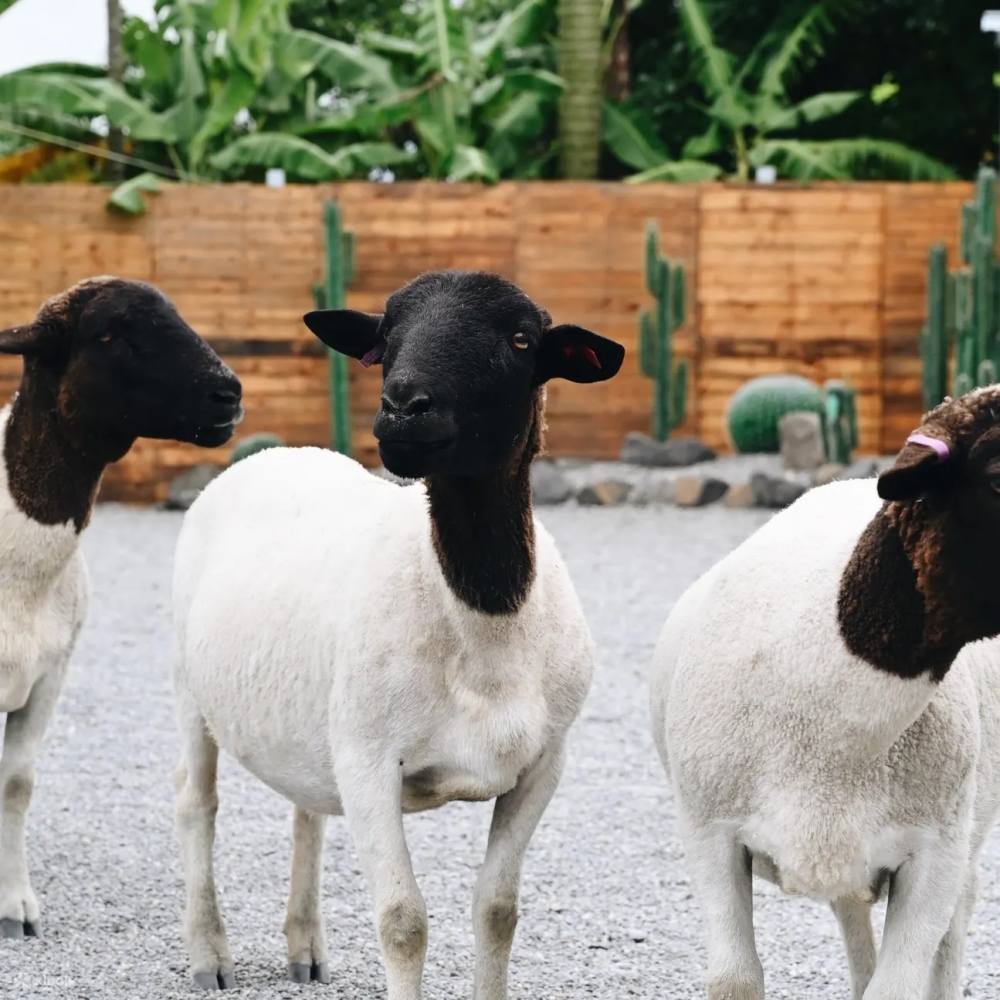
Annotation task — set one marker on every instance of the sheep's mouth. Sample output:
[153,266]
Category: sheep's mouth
[413,459]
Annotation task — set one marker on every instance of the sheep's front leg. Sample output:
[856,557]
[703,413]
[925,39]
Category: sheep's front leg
[923,896]
[304,927]
[946,979]
[494,909]
[371,794]
[722,876]
[855,921]
[19,912]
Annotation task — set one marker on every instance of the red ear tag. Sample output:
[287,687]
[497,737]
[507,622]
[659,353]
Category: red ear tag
[587,353]
[373,356]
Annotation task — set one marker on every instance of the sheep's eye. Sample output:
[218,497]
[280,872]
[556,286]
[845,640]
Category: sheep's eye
[994,482]
[520,340]
[106,338]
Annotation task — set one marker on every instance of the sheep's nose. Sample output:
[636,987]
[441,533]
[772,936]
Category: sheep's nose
[228,397]
[404,399]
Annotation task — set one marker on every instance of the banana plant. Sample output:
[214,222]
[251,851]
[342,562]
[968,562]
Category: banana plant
[214,90]
[751,120]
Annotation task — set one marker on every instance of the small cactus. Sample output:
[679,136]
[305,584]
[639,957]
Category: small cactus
[840,429]
[756,407]
[251,445]
[665,282]
[332,294]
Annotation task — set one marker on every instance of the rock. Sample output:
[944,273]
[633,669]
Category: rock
[861,468]
[774,493]
[548,484]
[697,491]
[185,488]
[604,494]
[801,435]
[827,473]
[739,495]
[655,489]
[641,449]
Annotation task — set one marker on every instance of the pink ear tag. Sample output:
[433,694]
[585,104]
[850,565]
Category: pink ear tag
[587,353]
[374,356]
[935,444]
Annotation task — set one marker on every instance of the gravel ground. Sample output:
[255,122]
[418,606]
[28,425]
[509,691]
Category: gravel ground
[606,907]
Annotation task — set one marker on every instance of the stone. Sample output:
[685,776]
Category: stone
[827,473]
[654,489]
[697,491]
[641,449]
[739,495]
[185,488]
[801,436]
[604,494]
[861,468]
[768,491]
[549,484]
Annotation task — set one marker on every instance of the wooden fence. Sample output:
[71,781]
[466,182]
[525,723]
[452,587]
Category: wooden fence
[827,281]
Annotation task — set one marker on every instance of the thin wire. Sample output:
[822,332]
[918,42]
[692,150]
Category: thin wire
[81,147]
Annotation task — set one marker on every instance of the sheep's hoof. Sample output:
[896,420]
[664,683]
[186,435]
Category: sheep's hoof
[215,980]
[15,929]
[317,972]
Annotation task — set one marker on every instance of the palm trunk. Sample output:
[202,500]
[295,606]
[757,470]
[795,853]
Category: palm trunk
[116,72]
[580,105]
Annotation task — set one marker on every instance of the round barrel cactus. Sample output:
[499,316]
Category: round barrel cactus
[755,409]
[251,445]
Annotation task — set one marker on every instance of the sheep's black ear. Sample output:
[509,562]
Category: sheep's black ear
[349,332]
[19,340]
[576,354]
[922,465]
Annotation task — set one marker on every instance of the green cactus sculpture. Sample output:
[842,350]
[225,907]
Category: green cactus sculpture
[756,407]
[665,282]
[840,429]
[248,446]
[332,294]
[960,336]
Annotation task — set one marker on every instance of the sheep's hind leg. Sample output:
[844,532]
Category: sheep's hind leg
[494,910]
[304,927]
[855,921]
[197,805]
[721,873]
[19,911]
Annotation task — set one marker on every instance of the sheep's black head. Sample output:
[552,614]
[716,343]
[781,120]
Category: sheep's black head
[121,364]
[463,356]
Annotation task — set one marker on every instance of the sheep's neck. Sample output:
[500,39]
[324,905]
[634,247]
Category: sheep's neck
[51,480]
[911,598]
[484,531]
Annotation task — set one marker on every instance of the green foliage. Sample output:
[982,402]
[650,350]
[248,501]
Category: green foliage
[127,197]
[5,4]
[756,407]
[750,116]
[665,282]
[252,444]
[962,332]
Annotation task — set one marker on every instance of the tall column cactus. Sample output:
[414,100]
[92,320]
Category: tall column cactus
[963,310]
[332,294]
[665,282]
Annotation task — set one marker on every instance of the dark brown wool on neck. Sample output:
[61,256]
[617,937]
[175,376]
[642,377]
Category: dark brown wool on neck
[50,479]
[483,529]
[910,597]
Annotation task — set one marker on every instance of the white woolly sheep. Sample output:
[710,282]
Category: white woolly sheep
[105,362]
[367,649]
[826,723]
